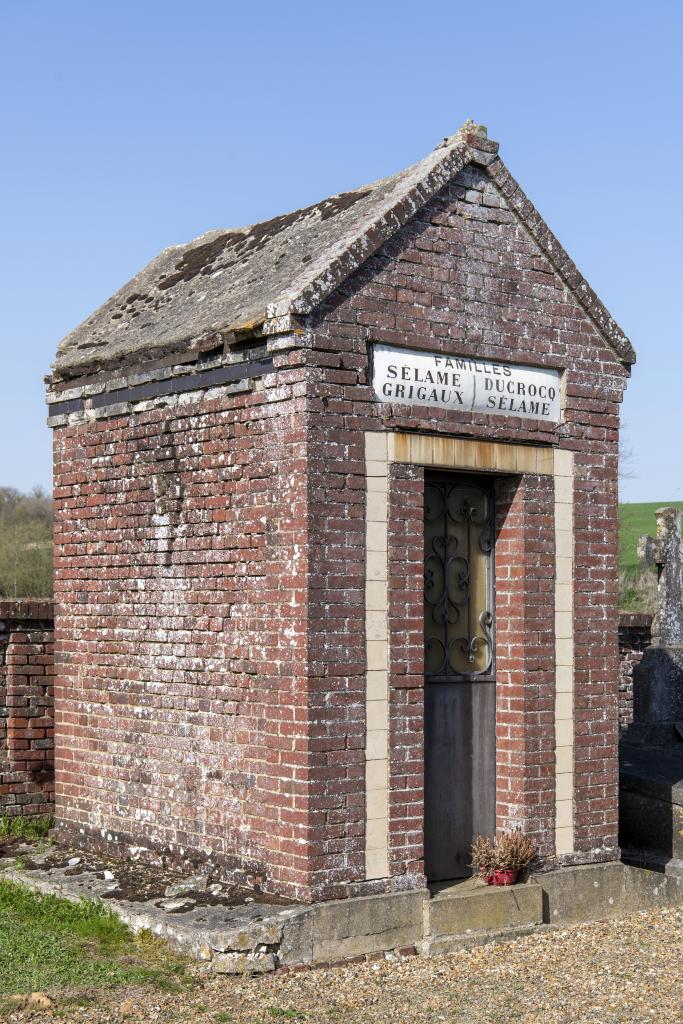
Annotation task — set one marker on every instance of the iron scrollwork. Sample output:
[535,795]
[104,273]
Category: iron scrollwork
[459,600]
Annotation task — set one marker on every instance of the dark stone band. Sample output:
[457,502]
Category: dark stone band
[172,385]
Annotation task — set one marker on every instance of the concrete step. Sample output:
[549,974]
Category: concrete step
[451,943]
[469,908]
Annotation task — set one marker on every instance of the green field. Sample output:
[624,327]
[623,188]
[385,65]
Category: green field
[635,520]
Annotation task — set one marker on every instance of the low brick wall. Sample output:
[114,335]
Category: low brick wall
[27,699]
[635,634]
[26,708]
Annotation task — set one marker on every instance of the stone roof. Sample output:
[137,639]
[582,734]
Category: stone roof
[262,277]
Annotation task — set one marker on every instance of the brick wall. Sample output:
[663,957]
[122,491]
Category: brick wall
[406,628]
[182,711]
[26,708]
[635,635]
[210,560]
[465,277]
[525,652]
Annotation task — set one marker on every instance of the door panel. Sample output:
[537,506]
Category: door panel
[460,692]
[460,774]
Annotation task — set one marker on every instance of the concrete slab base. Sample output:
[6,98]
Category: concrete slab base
[257,937]
[464,911]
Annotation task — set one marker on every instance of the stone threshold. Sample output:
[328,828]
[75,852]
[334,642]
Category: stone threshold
[255,938]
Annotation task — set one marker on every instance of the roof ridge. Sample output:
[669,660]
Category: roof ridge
[263,277]
[474,146]
[394,212]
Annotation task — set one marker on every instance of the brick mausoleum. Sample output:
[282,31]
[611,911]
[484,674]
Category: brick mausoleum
[336,542]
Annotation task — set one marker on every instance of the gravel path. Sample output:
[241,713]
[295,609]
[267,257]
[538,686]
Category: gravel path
[603,973]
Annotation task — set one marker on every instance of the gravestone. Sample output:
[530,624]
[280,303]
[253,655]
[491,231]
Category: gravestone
[658,679]
[651,769]
[664,551]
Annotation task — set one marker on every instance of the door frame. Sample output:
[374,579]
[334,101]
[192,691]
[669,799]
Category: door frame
[384,449]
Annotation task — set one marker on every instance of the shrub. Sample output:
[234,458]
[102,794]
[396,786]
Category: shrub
[483,853]
[637,590]
[25,543]
[514,850]
[510,850]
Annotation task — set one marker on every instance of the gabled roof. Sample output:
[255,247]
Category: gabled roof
[262,277]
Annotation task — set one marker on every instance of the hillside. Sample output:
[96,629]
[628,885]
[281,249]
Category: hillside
[26,547]
[637,585]
[25,543]
[636,519]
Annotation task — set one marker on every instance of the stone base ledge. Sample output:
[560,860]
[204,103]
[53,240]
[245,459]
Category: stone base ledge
[256,938]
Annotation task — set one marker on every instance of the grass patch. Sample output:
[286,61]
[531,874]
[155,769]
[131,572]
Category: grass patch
[637,590]
[18,827]
[637,584]
[635,520]
[48,944]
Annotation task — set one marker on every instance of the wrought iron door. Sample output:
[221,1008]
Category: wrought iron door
[459,669]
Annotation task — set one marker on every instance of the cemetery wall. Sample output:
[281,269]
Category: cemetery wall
[635,635]
[26,708]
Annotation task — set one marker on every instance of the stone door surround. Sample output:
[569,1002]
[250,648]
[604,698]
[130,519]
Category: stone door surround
[381,449]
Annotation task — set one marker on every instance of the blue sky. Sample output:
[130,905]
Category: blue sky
[129,126]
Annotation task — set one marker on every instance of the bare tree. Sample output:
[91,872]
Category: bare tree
[627,458]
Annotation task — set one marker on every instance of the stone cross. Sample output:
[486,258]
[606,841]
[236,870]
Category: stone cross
[664,551]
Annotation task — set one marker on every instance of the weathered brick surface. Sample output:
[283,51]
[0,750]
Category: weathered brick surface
[406,680]
[525,656]
[26,708]
[182,721]
[465,277]
[210,578]
[635,636]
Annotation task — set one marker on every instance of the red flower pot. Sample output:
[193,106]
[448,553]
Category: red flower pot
[504,876]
